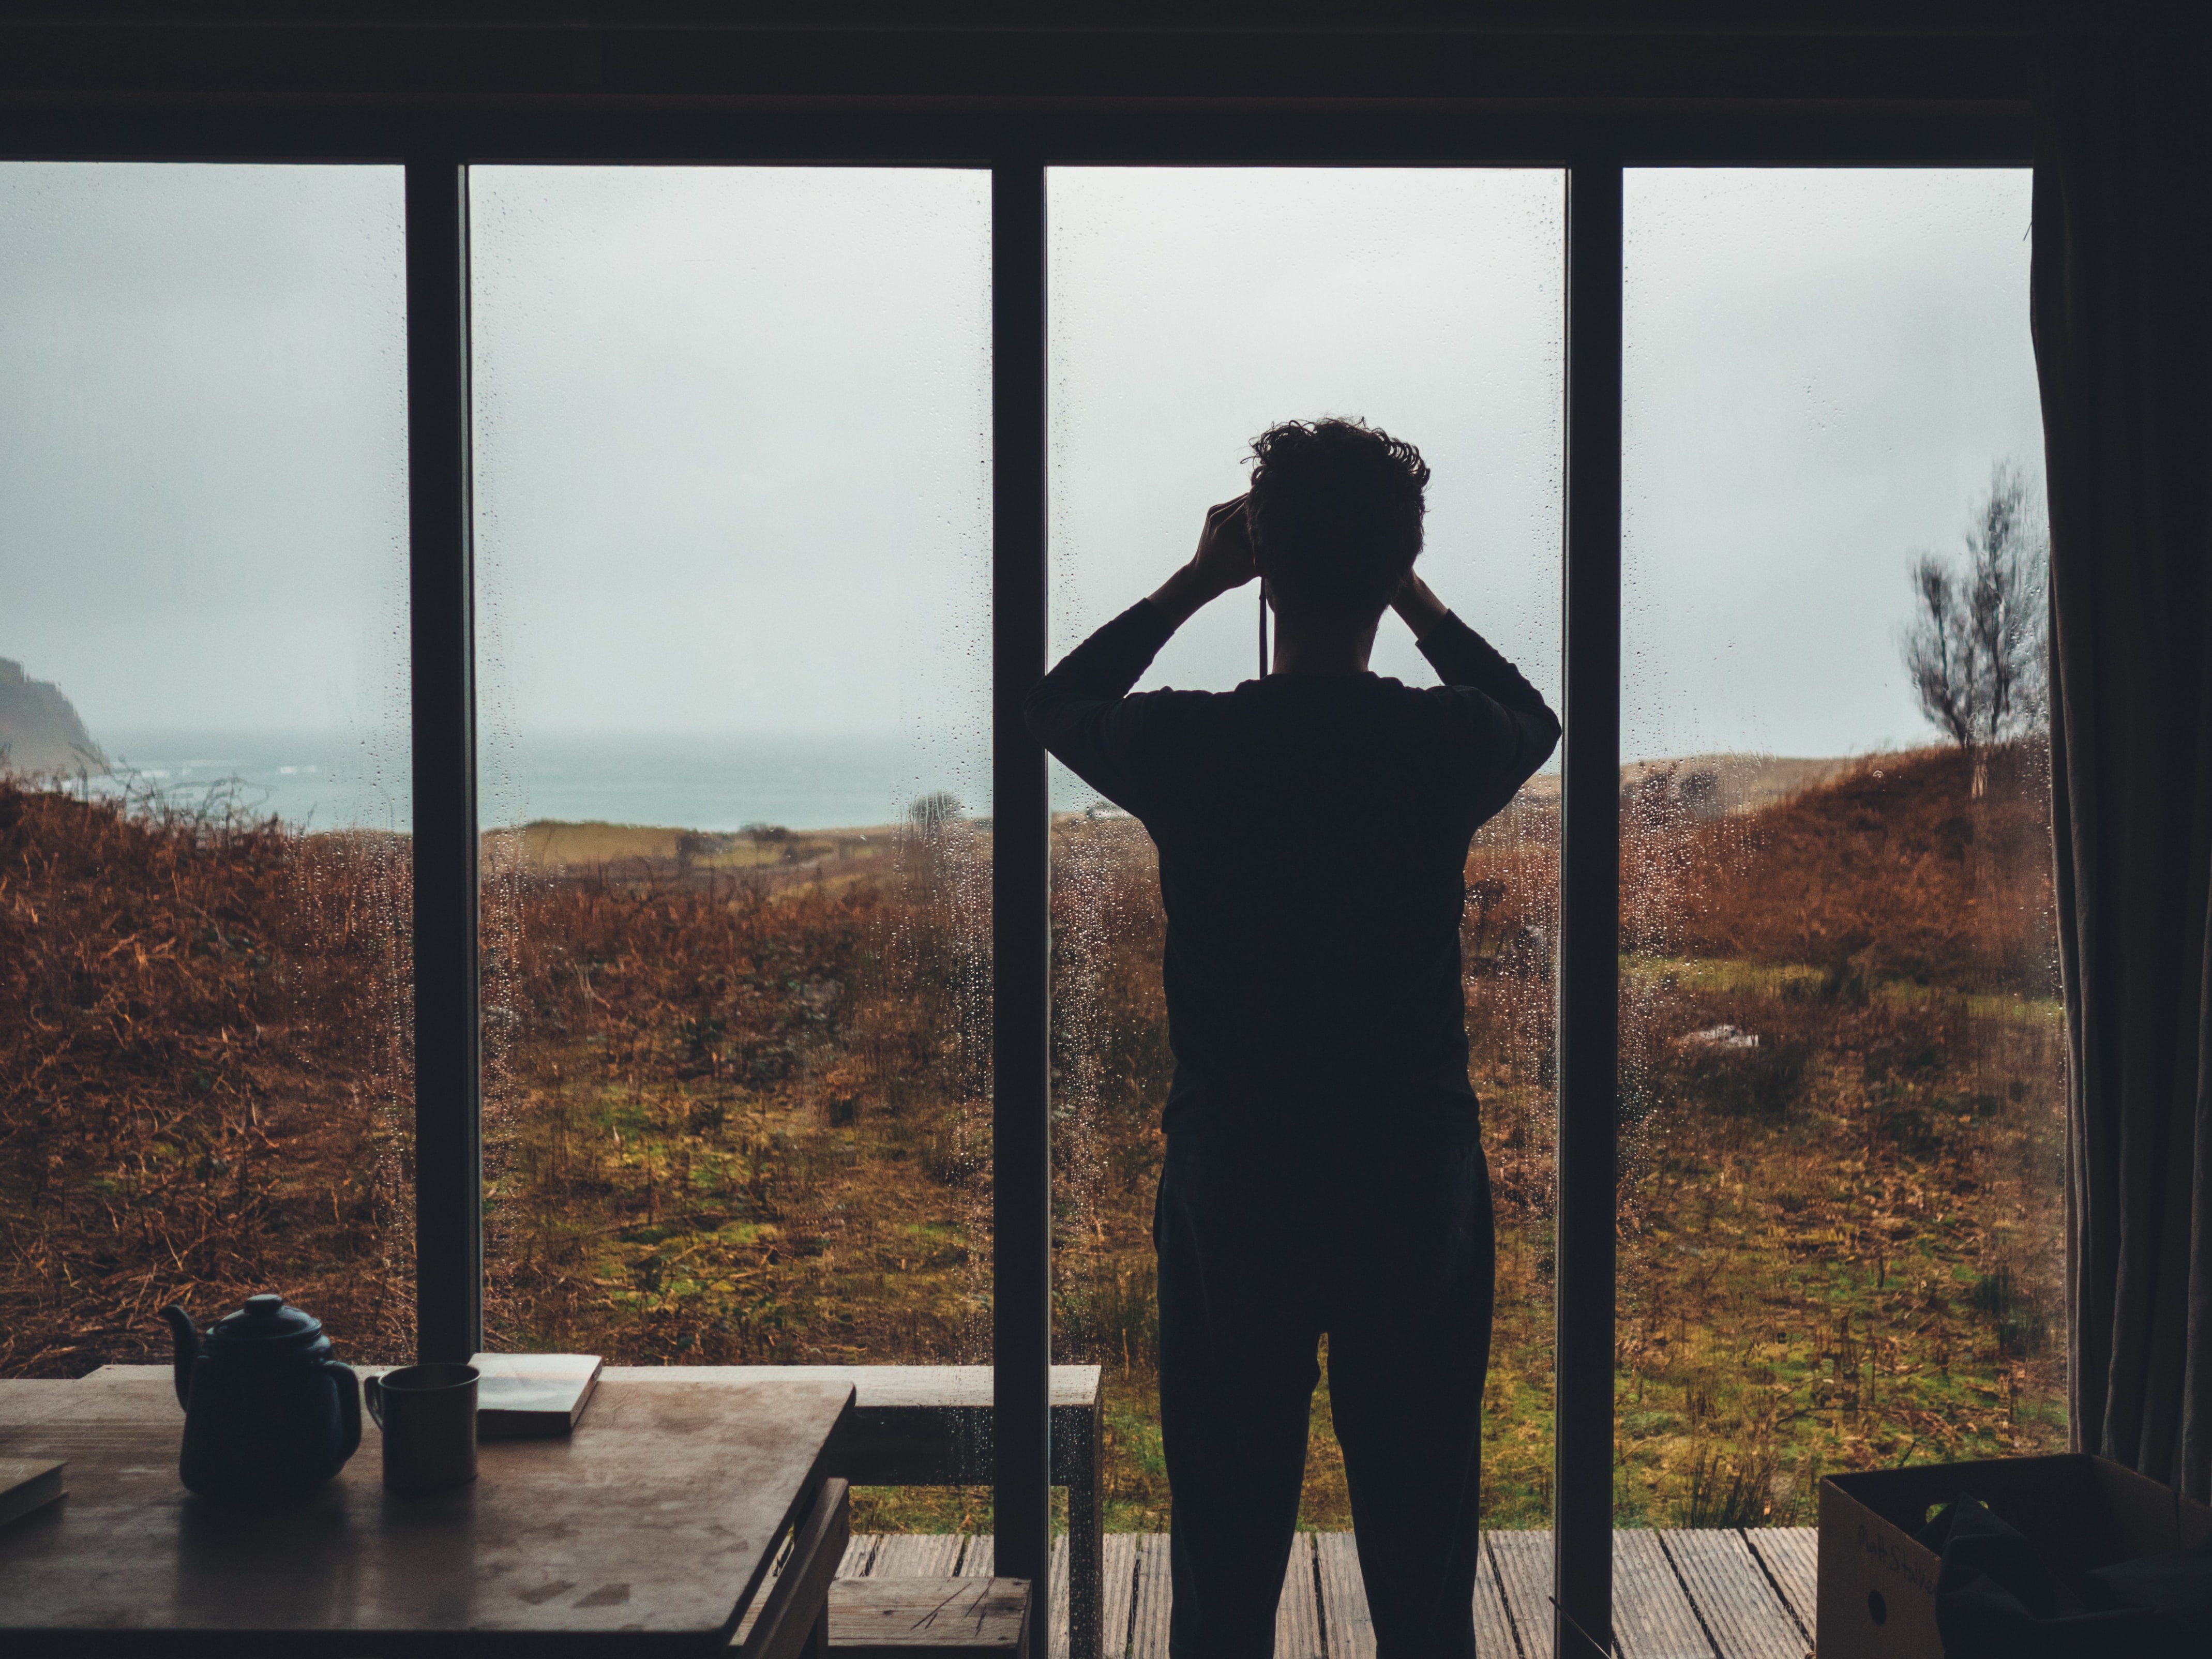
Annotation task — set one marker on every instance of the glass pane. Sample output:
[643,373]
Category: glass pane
[733,488]
[1842,1061]
[1191,308]
[204,875]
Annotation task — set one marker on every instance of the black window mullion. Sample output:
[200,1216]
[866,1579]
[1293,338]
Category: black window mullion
[448,1193]
[1021,1184]
[1588,1039]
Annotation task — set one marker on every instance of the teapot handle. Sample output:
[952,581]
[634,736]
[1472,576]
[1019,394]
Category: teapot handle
[348,1386]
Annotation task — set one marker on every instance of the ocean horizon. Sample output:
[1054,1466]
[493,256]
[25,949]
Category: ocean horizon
[332,780]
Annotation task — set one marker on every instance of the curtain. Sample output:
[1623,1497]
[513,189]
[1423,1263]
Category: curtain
[2122,312]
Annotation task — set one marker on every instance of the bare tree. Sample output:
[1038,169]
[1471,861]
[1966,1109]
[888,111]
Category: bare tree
[930,813]
[1976,646]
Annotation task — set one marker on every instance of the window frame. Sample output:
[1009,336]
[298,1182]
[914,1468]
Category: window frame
[1593,150]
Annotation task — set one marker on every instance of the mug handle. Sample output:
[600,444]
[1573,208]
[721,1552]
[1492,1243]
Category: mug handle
[372,1389]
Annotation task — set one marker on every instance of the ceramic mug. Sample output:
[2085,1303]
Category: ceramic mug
[429,1416]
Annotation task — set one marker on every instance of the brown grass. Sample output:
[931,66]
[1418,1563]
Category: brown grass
[708,1103]
[738,1110]
[201,1069]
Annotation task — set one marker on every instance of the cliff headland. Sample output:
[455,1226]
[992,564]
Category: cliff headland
[40,734]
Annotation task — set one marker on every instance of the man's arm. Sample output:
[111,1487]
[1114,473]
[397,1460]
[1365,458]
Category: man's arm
[1509,730]
[1082,711]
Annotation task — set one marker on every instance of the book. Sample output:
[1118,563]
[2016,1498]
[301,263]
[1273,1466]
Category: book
[527,1396]
[28,1483]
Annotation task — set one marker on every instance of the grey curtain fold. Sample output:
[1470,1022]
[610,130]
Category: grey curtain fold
[2123,322]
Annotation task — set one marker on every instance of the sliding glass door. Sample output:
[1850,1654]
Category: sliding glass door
[1843,1066]
[1190,308]
[733,479]
[205,865]
[733,444]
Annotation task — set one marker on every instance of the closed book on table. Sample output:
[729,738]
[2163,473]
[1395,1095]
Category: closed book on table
[28,1483]
[527,1396]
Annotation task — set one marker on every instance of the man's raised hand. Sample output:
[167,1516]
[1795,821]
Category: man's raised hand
[1223,562]
[1417,605]
[1224,559]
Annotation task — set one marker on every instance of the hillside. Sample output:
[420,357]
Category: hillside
[40,734]
[1893,870]
[201,1078]
[1711,786]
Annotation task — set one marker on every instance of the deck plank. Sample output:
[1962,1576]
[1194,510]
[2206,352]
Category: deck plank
[916,1555]
[1148,1616]
[1350,1627]
[1056,1576]
[1792,1556]
[1747,1618]
[1120,1570]
[1523,1560]
[1298,1610]
[1344,1598]
[1731,1578]
[1493,1630]
[1652,1618]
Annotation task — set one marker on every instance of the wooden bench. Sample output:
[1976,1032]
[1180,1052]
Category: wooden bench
[931,1426]
[886,1618]
[930,1617]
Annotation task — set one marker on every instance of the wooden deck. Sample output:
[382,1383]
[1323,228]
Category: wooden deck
[1718,1595]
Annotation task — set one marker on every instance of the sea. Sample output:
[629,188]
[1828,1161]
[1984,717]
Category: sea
[337,781]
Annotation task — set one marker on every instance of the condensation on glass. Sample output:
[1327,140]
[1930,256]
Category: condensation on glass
[204,871]
[1842,1052]
[732,442]
[1191,308]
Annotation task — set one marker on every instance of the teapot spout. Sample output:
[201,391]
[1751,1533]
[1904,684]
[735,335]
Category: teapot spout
[188,1349]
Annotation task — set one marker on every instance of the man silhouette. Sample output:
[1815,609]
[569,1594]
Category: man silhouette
[1324,1173]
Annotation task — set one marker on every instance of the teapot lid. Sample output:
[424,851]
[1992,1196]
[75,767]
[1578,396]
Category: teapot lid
[267,1326]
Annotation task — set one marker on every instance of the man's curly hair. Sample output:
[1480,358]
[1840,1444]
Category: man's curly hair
[1335,512]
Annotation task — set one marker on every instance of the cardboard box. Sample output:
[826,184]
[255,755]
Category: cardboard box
[1877,1586]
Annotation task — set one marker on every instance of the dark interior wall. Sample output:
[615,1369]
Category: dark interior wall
[989,55]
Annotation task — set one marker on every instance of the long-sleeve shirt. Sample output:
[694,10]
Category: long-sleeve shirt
[1313,833]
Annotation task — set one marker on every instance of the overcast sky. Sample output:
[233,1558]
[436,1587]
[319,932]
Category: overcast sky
[203,441]
[1821,368]
[733,447]
[733,430]
[1191,308]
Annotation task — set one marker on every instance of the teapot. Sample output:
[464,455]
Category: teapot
[268,1415]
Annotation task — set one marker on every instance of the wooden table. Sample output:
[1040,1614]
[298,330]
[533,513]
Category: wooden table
[647,1532]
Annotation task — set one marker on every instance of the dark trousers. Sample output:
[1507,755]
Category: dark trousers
[1384,1244]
